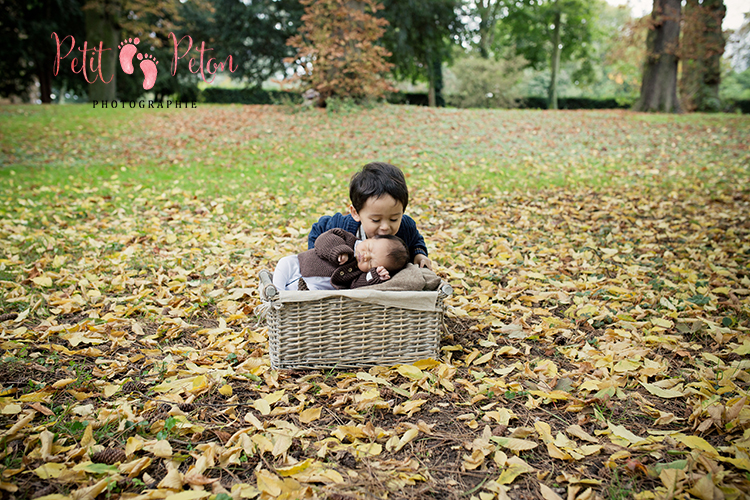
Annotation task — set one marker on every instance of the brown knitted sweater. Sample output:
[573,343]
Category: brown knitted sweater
[323,261]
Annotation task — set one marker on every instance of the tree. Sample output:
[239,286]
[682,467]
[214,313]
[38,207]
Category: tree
[420,36]
[659,82]
[700,51]
[256,34]
[485,14]
[546,32]
[111,21]
[29,50]
[337,53]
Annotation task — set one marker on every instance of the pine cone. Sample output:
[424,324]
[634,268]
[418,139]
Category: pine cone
[131,386]
[108,456]
[47,490]
[8,317]
[186,407]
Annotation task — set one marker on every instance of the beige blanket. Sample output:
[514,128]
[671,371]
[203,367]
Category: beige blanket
[410,278]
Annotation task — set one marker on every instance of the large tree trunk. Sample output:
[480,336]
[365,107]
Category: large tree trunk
[556,40]
[101,26]
[701,51]
[435,75]
[659,85]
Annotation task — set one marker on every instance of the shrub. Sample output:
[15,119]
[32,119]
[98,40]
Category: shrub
[485,83]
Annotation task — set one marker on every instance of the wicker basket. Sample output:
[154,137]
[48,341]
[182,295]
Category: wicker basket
[336,331]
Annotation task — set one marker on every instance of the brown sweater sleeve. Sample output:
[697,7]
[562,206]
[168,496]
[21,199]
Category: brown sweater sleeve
[333,243]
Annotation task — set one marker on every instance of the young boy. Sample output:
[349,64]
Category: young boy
[379,197]
[339,260]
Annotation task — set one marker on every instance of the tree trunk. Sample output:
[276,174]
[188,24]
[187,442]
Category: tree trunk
[716,10]
[700,52]
[691,54]
[659,85]
[487,10]
[556,40]
[437,71]
[101,26]
[44,74]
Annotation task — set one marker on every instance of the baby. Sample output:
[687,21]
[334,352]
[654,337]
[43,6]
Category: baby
[339,260]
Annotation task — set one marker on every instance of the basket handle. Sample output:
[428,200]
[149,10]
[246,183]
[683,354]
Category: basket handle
[267,286]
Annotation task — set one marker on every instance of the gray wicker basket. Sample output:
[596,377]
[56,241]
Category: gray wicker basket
[336,331]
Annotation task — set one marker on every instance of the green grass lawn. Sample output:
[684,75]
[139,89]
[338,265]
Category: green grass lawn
[601,268]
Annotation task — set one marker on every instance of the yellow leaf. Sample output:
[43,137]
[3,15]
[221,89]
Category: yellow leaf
[262,406]
[426,364]
[621,432]
[510,474]
[406,438]
[548,493]
[294,469]
[11,409]
[269,483]
[63,382]
[663,323]
[309,415]
[199,383]
[625,365]
[274,397]
[410,371]
[188,495]
[160,448]
[515,444]
[134,444]
[225,390]
[111,389]
[134,467]
[409,407]
[88,437]
[42,280]
[662,393]
[577,431]
[483,359]
[696,443]
[49,470]
[703,488]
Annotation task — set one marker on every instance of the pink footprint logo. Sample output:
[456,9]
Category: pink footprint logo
[148,66]
[127,50]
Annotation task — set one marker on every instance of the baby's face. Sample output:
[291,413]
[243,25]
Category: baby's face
[372,253]
[380,215]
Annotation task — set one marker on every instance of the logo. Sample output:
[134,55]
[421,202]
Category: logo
[90,62]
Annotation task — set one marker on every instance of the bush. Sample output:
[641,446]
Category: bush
[254,95]
[485,83]
[413,98]
[574,103]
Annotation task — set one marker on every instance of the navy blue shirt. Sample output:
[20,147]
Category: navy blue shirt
[407,232]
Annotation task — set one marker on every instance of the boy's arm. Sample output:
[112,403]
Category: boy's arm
[317,229]
[417,248]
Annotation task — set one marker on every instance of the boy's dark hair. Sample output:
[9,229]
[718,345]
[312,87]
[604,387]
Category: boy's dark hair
[376,179]
[398,254]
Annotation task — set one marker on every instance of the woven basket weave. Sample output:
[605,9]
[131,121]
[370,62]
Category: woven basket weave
[339,332]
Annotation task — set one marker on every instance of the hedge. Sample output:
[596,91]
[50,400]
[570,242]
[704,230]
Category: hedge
[253,95]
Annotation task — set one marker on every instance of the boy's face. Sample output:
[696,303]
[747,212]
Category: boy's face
[379,215]
[372,253]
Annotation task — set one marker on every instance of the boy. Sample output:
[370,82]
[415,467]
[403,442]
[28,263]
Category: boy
[379,197]
[339,260]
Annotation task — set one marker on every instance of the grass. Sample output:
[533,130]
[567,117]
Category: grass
[224,151]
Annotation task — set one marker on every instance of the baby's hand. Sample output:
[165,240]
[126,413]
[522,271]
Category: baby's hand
[423,261]
[343,258]
[383,273]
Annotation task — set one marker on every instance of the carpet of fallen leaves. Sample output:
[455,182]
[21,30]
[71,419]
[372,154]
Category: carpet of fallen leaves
[596,345]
